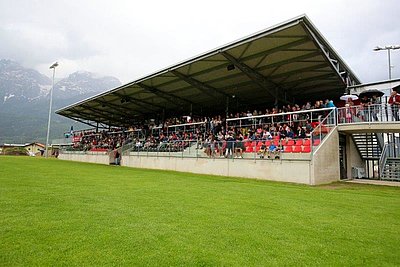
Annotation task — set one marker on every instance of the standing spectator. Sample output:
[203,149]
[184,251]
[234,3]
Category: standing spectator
[375,102]
[229,145]
[394,102]
[117,157]
[239,148]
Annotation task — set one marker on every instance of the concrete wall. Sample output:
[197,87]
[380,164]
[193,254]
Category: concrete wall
[296,168]
[325,163]
[353,157]
[100,158]
[296,171]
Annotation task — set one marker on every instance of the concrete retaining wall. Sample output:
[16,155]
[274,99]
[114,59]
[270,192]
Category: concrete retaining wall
[295,168]
[100,158]
[325,163]
[276,170]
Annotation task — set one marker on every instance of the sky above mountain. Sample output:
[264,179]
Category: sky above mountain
[129,39]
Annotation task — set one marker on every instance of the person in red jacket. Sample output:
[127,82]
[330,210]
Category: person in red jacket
[394,102]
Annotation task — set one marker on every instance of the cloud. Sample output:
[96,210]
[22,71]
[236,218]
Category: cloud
[129,39]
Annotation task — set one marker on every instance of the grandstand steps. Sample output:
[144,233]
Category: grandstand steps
[368,145]
[391,170]
[192,150]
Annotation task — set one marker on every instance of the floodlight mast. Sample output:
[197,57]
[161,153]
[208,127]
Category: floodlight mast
[388,48]
[51,102]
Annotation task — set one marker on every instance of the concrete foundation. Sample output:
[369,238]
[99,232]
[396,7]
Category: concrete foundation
[295,171]
[322,168]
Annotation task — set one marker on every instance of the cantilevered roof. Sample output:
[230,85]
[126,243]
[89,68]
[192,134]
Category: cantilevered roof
[290,62]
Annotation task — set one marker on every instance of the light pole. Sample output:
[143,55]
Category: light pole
[388,48]
[51,102]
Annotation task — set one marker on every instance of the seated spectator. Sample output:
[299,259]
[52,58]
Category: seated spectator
[300,132]
[273,152]
[261,152]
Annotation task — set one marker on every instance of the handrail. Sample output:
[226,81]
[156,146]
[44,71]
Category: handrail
[280,114]
[390,150]
[383,159]
[366,113]
[318,130]
[186,124]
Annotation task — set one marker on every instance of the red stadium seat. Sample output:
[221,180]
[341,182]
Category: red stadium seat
[307,142]
[249,149]
[288,149]
[306,149]
[299,142]
[317,142]
[277,137]
[297,149]
[268,143]
[259,143]
[276,142]
[290,142]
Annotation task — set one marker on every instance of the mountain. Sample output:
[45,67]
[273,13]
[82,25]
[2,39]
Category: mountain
[21,83]
[83,83]
[24,101]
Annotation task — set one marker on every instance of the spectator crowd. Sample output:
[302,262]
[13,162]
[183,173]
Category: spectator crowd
[217,136]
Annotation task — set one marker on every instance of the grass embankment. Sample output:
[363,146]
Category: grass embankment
[64,213]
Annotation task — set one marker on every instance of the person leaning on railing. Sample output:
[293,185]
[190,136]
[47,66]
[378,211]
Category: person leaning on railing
[375,101]
[394,102]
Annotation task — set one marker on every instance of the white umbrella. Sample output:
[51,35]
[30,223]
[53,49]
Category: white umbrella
[347,97]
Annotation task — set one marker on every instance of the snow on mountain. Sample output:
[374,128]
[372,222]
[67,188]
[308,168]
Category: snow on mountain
[22,84]
[84,83]
[24,100]
[17,82]
[8,97]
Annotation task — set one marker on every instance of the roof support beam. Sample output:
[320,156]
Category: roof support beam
[107,117]
[106,113]
[256,77]
[301,41]
[81,121]
[310,68]
[206,89]
[327,57]
[273,65]
[139,102]
[291,60]
[120,109]
[316,87]
[167,96]
[298,83]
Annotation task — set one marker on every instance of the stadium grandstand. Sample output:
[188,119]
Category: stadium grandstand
[275,105]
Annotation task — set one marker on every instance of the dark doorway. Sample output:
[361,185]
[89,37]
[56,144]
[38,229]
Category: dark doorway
[342,156]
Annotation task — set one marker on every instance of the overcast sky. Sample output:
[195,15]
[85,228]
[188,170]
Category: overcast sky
[129,39]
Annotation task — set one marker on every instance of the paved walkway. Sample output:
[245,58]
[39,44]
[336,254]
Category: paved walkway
[374,182]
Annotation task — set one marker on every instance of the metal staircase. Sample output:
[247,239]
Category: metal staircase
[369,145]
[391,170]
[389,163]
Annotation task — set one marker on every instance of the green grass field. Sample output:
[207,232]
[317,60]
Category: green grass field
[55,212]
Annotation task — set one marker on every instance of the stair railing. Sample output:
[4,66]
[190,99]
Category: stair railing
[323,129]
[383,159]
[380,139]
[125,149]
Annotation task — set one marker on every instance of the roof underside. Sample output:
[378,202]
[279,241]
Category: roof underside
[291,62]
